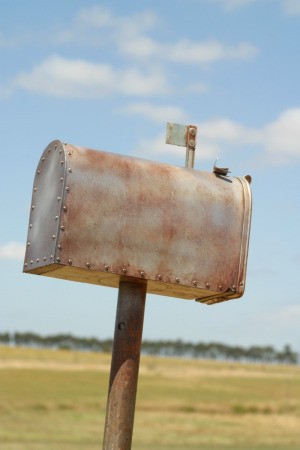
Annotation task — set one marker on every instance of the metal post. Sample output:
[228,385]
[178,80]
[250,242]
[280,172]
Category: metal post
[125,366]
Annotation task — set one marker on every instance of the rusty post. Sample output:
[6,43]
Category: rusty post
[125,366]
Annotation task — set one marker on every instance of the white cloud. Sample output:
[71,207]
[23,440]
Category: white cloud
[133,81]
[130,35]
[231,5]
[67,78]
[96,17]
[97,25]
[277,142]
[12,250]
[156,113]
[197,88]
[82,29]
[183,51]
[102,17]
[291,7]
[281,138]
[228,131]
[137,46]
[186,51]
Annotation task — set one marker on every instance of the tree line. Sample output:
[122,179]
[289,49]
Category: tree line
[176,348]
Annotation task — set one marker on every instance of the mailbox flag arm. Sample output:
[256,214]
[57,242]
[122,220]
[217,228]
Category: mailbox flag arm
[183,136]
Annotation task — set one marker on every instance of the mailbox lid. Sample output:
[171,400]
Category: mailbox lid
[185,231]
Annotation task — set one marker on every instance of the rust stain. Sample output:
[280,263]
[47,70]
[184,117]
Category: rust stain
[141,217]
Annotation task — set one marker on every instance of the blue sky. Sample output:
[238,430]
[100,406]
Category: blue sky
[109,75]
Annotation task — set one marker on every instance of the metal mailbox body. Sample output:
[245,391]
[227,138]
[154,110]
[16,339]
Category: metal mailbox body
[97,217]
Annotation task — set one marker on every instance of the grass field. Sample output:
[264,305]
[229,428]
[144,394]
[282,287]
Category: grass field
[55,400]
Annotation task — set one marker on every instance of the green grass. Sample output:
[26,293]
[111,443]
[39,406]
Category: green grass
[55,400]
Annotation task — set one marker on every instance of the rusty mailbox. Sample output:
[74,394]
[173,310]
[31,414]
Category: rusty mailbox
[97,217]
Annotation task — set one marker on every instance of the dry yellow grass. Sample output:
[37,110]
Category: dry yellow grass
[56,400]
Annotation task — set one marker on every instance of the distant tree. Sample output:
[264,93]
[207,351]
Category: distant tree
[177,348]
[5,338]
[287,356]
